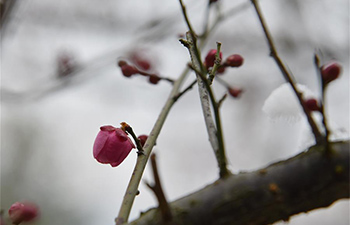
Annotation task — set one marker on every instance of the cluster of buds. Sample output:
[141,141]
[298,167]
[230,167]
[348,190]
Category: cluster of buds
[129,70]
[141,65]
[23,212]
[234,60]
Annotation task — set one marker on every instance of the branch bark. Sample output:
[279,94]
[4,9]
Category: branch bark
[310,180]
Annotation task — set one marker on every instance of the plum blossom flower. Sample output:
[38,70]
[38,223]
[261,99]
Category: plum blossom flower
[112,145]
[22,212]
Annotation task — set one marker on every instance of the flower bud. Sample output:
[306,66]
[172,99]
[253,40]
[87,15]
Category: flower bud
[140,59]
[210,58]
[128,70]
[112,145]
[221,70]
[122,63]
[330,72]
[154,79]
[144,64]
[235,92]
[312,104]
[22,212]
[143,139]
[234,60]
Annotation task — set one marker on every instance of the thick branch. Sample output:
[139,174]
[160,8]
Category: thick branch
[310,180]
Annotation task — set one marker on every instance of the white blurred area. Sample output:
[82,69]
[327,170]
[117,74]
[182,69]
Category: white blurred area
[48,123]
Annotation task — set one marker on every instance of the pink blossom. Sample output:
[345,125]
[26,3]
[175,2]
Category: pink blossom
[22,212]
[112,145]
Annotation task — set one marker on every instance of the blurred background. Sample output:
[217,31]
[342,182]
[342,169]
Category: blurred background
[60,83]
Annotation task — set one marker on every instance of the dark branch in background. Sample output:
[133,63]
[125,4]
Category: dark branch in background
[158,192]
[310,180]
[6,9]
[288,77]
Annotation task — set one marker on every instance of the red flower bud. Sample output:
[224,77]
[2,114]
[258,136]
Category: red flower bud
[143,64]
[221,70]
[112,145]
[140,60]
[234,60]
[154,79]
[128,70]
[210,58]
[22,212]
[312,104]
[122,63]
[235,92]
[330,72]
[143,139]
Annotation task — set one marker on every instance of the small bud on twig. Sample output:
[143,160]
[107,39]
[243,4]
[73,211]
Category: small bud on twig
[154,79]
[143,139]
[210,58]
[128,70]
[330,72]
[235,92]
[312,104]
[234,60]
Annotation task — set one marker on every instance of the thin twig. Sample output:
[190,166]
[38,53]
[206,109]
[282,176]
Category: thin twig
[323,99]
[183,7]
[185,90]
[221,100]
[216,64]
[152,74]
[288,77]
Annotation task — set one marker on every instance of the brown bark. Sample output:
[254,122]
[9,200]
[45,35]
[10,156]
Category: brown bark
[310,180]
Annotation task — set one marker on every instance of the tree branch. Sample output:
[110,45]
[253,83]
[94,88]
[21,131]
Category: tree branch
[287,75]
[310,180]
